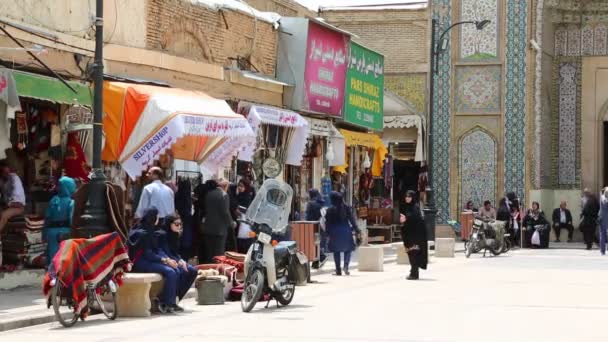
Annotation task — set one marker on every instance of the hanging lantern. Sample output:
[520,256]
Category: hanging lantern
[330,152]
[366,162]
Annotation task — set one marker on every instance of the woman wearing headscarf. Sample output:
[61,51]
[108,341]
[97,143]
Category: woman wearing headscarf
[58,217]
[340,224]
[535,217]
[589,220]
[183,206]
[147,257]
[169,242]
[414,235]
[218,221]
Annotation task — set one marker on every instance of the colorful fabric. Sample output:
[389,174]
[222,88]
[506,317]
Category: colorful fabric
[240,265]
[75,162]
[87,261]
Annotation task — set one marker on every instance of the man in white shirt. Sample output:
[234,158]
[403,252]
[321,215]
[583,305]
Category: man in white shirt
[12,195]
[156,195]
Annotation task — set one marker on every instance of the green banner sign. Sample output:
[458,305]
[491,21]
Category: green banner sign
[364,88]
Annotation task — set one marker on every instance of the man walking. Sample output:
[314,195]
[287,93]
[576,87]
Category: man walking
[156,195]
[603,221]
[562,219]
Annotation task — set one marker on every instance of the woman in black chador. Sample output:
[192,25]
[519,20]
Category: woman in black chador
[414,235]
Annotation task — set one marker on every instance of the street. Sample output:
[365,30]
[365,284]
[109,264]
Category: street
[530,295]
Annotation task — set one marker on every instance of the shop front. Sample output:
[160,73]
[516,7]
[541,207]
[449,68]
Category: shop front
[148,126]
[280,141]
[44,130]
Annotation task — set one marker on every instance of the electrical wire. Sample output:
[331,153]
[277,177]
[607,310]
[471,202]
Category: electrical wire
[54,40]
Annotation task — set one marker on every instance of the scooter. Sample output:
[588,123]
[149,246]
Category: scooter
[272,268]
[486,236]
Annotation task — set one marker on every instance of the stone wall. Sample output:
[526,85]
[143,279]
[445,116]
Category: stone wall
[286,8]
[196,32]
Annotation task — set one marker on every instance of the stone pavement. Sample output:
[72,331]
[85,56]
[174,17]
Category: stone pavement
[528,295]
[24,307]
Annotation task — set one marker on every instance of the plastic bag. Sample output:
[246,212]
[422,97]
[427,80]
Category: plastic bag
[536,238]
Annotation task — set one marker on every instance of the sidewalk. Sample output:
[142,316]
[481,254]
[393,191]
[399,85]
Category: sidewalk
[24,307]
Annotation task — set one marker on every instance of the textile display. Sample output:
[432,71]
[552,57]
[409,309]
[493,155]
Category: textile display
[258,115]
[82,261]
[23,242]
[142,122]
[75,162]
[368,140]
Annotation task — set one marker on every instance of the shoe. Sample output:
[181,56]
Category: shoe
[557,240]
[346,272]
[164,308]
[411,277]
[569,240]
[177,308]
[337,273]
[315,265]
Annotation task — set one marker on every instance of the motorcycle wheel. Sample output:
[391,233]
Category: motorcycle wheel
[468,249]
[506,246]
[254,287]
[285,297]
[494,251]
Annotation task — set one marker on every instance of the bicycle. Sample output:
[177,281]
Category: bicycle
[61,296]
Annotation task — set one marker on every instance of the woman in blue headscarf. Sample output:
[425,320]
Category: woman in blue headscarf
[340,224]
[58,217]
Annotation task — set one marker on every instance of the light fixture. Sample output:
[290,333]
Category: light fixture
[482,24]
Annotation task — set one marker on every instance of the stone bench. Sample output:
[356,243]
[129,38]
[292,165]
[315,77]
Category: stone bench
[444,247]
[371,258]
[134,294]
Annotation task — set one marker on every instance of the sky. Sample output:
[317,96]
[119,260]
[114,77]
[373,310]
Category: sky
[314,4]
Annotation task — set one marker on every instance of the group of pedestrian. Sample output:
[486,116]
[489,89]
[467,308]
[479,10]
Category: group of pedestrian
[340,234]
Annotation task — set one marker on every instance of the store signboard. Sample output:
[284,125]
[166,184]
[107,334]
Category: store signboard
[325,70]
[364,88]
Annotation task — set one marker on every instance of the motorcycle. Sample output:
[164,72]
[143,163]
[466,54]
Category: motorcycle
[487,236]
[272,268]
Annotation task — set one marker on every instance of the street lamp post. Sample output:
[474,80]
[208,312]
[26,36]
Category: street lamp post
[437,47]
[94,220]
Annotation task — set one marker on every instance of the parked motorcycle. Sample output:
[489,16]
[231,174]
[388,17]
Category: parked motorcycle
[272,269]
[487,236]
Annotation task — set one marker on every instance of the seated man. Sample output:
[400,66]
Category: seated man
[12,196]
[487,212]
[562,219]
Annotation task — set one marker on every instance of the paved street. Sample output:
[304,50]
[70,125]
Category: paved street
[554,295]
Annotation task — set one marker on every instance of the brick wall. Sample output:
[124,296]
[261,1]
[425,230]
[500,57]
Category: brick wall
[193,31]
[286,8]
[401,35]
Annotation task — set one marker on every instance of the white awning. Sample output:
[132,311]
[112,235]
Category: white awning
[395,127]
[260,114]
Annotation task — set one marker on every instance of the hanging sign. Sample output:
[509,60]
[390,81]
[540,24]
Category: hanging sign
[364,88]
[325,73]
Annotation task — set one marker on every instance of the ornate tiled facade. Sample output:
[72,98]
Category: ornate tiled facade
[568,99]
[411,87]
[478,89]
[477,165]
[515,99]
[442,12]
[474,44]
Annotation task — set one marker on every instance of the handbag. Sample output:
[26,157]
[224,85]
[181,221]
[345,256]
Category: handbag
[536,238]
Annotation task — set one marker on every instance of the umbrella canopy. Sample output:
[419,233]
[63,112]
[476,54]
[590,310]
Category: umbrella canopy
[142,122]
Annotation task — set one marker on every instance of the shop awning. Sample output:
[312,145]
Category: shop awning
[324,128]
[371,141]
[51,89]
[395,131]
[260,114]
[142,122]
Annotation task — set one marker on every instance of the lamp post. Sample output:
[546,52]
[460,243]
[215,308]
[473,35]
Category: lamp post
[437,47]
[94,220]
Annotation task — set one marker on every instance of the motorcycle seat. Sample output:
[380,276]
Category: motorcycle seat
[284,247]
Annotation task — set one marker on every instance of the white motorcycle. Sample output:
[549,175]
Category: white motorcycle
[271,268]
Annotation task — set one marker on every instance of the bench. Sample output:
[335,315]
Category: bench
[134,294]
